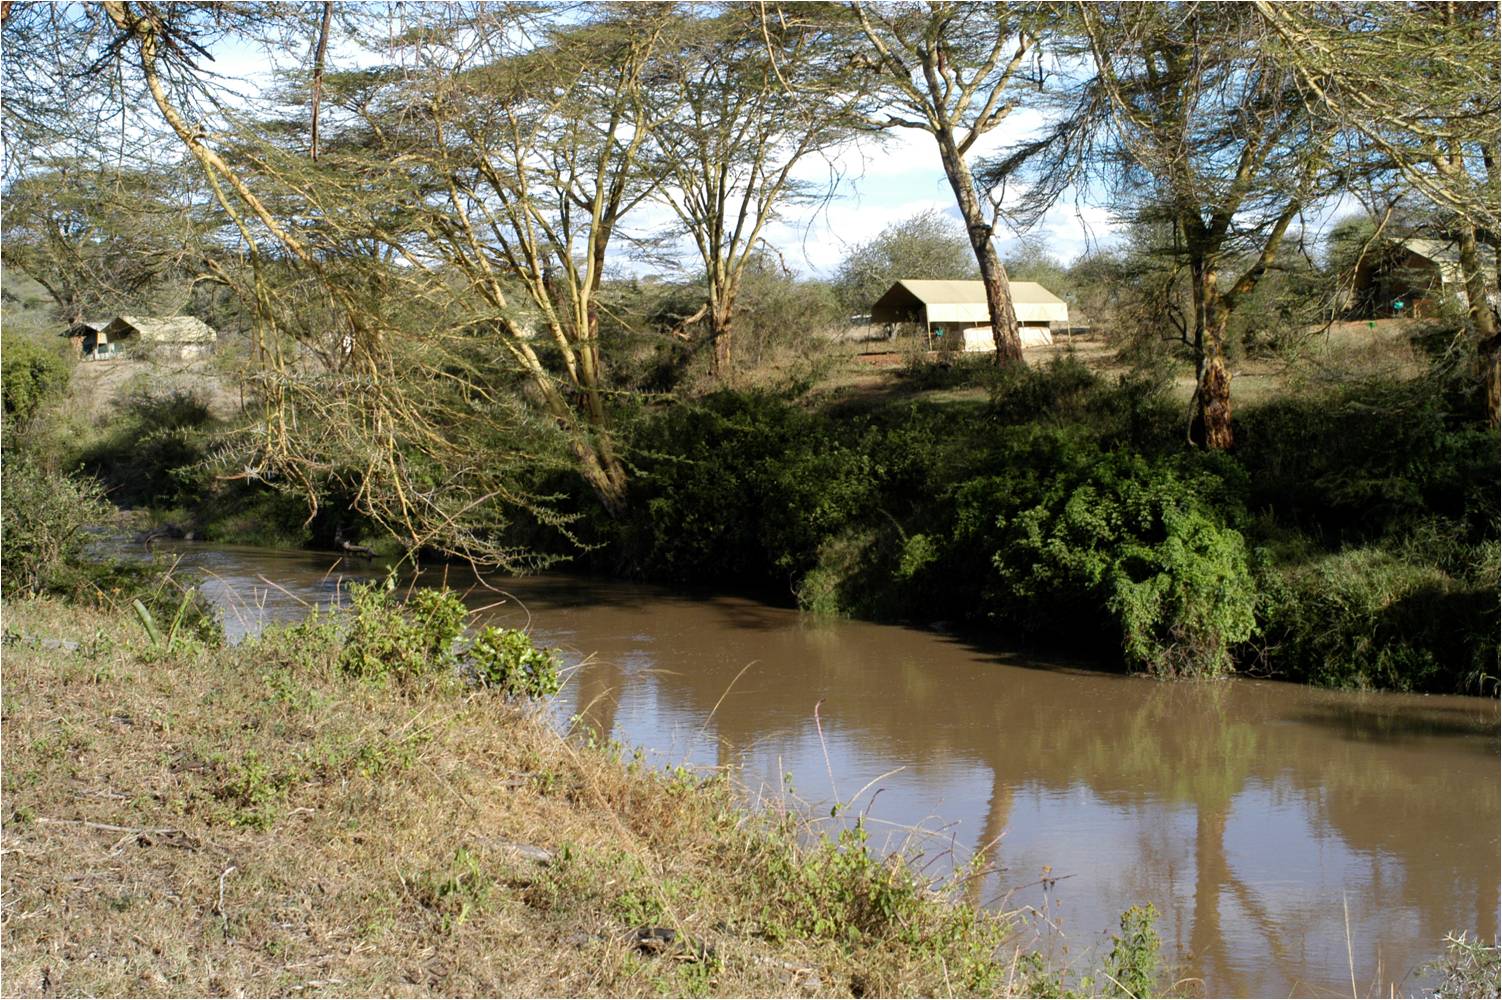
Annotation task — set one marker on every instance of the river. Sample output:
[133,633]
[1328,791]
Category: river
[1291,839]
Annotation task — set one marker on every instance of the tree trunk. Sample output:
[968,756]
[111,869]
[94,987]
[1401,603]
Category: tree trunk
[993,274]
[1211,425]
[1483,320]
[604,473]
[720,322]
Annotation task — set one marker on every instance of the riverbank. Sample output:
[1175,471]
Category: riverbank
[217,821]
[1348,541]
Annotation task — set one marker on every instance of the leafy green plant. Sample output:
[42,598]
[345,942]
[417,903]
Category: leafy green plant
[43,517]
[1367,616]
[388,638]
[1134,959]
[1139,542]
[840,892]
[31,376]
[505,659]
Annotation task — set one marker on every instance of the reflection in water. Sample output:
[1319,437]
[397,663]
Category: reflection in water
[1252,814]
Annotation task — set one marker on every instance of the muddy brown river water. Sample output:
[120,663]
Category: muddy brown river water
[1291,839]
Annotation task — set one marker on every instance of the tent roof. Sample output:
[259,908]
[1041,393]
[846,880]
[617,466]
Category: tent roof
[964,302]
[1439,251]
[85,324]
[973,292]
[1445,254]
[163,329]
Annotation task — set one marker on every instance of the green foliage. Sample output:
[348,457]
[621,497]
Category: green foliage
[1371,617]
[153,450]
[744,487]
[837,890]
[44,517]
[405,640]
[1366,459]
[1131,412]
[505,659]
[32,376]
[840,892]
[1140,542]
[420,636]
[254,790]
[1133,962]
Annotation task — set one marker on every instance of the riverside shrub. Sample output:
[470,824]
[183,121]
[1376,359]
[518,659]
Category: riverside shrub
[44,516]
[1374,618]
[421,636]
[1136,542]
[744,487]
[405,640]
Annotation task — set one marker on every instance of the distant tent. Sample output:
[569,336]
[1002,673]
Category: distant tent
[1412,277]
[84,334]
[179,337]
[959,309]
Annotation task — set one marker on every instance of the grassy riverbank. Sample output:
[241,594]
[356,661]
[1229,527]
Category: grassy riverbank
[219,821]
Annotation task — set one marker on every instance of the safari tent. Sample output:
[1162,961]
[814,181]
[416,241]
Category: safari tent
[174,337]
[1413,277]
[83,335]
[955,315]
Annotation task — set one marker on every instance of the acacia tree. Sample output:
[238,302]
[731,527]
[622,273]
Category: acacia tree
[1211,138]
[927,245]
[948,68]
[425,291]
[495,160]
[744,96]
[97,238]
[535,158]
[1415,90]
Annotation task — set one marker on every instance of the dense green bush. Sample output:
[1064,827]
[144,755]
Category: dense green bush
[420,636]
[1131,412]
[152,453]
[505,660]
[1359,461]
[1119,539]
[45,517]
[1370,616]
[31,376]
[405,640]
[744,487]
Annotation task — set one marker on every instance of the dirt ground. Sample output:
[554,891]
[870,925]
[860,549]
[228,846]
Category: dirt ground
[98,386]
[1339,352]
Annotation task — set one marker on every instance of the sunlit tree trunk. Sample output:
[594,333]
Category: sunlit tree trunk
[993,273]
[1483,320]
[1210,427]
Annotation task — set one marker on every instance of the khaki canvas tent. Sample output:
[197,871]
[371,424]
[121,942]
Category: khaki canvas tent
[1413,277]
[84,335]
[954,313]
[179,337]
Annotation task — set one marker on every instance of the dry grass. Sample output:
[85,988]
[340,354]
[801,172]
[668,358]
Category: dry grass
[248,822]
[1341,353]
